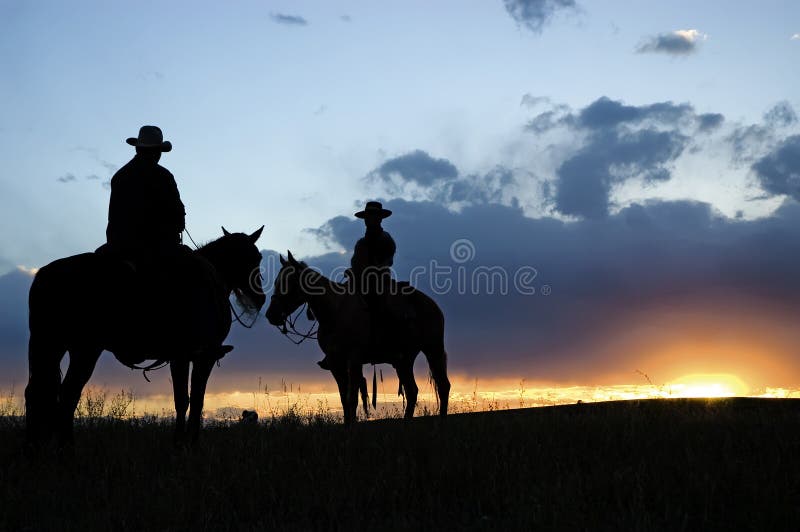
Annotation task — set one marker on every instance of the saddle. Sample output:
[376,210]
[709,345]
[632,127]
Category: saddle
[152,322]
[392,321]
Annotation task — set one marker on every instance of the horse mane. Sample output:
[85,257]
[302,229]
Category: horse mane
[317,274]
[216,249]
[210,246]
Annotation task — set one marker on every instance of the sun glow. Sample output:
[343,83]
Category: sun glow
[713,385]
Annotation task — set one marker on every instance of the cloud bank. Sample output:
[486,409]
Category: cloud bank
[587,294]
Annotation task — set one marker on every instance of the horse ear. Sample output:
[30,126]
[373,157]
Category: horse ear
[283,261]
[292,260]
[225,232]
[255,236]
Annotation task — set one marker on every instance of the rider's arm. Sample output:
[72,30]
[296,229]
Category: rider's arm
[388,249]
[179,210]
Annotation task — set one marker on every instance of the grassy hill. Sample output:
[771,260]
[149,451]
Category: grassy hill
[641,465]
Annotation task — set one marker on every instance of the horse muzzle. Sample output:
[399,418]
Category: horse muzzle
[275,316]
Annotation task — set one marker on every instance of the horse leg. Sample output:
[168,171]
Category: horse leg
[81,366]
[437,361]
[201,370]
[41,393]
[405,372]
[179,369]
[354,376]
[362,388]
[340,376]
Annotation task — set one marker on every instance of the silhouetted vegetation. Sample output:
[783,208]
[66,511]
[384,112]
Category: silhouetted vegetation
[641,465]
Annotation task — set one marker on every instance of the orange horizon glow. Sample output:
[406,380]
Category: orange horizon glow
[467,395]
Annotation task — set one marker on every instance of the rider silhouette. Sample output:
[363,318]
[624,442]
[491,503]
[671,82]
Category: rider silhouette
[145,213]
[373,256]
[370,266]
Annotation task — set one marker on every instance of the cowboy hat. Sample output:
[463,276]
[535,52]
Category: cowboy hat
[374,207]
[150,137]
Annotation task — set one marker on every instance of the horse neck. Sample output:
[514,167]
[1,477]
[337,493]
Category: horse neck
[324,304]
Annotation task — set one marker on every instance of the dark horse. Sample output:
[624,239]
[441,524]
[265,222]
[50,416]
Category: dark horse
[92,302]
[416,324]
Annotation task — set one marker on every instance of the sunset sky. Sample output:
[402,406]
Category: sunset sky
[631,168]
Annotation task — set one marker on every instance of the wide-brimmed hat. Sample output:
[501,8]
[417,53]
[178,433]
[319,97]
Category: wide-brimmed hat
[374,207]
[150,137]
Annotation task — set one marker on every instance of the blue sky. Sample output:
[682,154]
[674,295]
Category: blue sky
[283,113]
[276,124]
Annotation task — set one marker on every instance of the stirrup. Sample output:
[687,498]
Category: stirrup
[221,351]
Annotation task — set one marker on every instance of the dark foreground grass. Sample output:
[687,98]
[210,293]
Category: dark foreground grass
[639,465]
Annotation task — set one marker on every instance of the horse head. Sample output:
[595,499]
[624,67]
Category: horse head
[288,293]
[242,267]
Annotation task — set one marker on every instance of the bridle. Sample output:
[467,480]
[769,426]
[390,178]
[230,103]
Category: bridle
[289,327]
[236,317]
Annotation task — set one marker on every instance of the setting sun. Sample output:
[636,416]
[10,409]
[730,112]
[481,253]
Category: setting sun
[708,385]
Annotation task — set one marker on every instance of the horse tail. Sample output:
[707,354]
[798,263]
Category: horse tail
[45,350]
[431,321]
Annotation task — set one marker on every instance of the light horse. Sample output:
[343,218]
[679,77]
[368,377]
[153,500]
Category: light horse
[416,324]
[92,302]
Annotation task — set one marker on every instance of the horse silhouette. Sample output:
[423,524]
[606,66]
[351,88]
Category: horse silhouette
[180,314]
[417,324]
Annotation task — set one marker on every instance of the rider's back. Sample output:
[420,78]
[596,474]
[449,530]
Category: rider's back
[145,211]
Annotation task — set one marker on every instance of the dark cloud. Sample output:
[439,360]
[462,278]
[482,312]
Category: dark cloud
[416,167]
[419,174]
[345,18]
[681,42]
[607,278]
[289,20]
[781,115]
[605,112]
[606,143]
[535,14]
[557,115]
[609,143]
[478,188]
[709,122]
[779,171]
[600,294]
[749,142]
[585,180]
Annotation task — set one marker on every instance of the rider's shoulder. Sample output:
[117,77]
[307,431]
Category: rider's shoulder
[160,169]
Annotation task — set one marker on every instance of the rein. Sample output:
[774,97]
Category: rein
[155,366]
[196,247]
[291,331]
[238,317]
